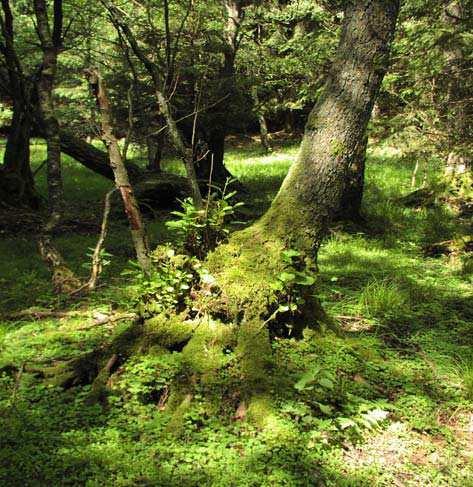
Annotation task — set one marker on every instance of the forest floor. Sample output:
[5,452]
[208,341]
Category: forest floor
[387,403]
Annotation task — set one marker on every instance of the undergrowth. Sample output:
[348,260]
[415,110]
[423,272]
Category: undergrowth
[387,402]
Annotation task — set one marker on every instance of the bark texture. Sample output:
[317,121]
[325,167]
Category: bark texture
[352,196]
[312,190]
[16,179]
[122,181]
[50,40]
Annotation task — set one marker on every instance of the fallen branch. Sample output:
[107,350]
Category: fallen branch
[109,319]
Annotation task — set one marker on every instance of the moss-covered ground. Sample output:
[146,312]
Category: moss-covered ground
[388,402]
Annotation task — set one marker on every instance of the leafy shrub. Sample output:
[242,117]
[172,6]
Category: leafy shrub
[199,231]
[167,286]
[291,282]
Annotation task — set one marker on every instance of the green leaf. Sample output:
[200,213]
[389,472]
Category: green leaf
[287,276]
[325,408]
[327,383]
[345,423]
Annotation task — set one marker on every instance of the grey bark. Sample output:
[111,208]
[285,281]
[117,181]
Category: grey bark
[312,190]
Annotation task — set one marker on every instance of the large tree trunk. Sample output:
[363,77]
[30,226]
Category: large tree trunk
[91,157]
[336,127]
[352,196]
[311,193]
[263,287]
[16,180]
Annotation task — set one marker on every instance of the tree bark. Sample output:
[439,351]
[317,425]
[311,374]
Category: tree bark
[311,192]
[458,109]
[16,179]
[263,127]
[51,41]
[122,182]
[352,196]
[215,136]
[154,153]
[91,157]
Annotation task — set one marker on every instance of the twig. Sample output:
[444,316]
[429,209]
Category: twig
[96,259]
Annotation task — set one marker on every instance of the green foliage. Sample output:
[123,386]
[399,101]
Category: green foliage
[166,288]
[199,231]
[292,281]
[372,406]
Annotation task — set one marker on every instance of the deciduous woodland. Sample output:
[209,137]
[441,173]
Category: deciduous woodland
[236,243]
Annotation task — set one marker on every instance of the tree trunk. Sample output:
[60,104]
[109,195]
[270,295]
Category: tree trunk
[215,136]
[50,40]
[458,109]
[122,181]
[311,192]
[352,196]
[154,153]
[50,45]
[16,179]
[91,157]
[263,132]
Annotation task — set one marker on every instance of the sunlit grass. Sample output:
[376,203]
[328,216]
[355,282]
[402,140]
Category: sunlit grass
[404,349]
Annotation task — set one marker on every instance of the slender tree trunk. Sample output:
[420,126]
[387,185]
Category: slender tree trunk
[215,136]
[122,182]
[64,279]
[458,107]
[50,44]
[17,183]
[263,132]
[154,153]
[263,127]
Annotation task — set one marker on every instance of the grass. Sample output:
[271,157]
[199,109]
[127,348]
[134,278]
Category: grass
[388,403]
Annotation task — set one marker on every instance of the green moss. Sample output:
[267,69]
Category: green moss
[205,352]
[244,269]
[254,356]
[166,331]
[336,148]
[260,410]
[176,424]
